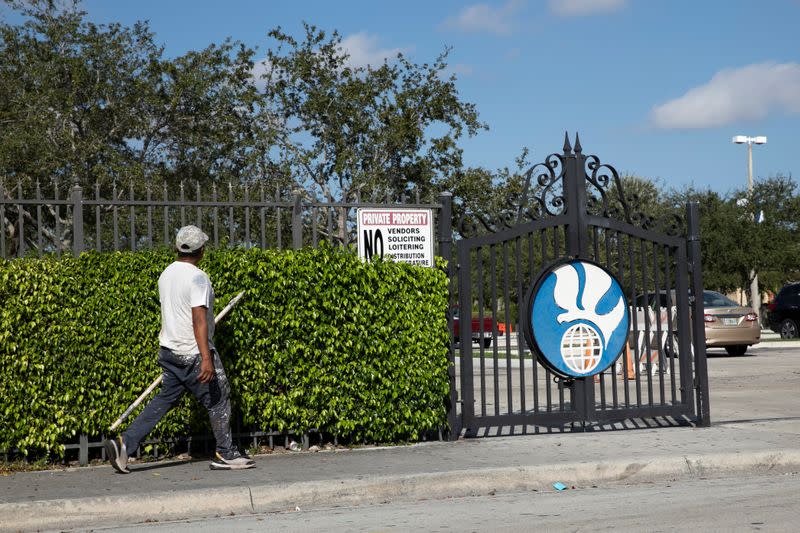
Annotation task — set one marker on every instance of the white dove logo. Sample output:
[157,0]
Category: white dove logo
[598,282]
[578,321]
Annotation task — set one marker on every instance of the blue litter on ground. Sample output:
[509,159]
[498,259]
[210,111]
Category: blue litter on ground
[559,486]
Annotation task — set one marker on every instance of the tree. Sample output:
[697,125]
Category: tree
[71,94]
[90,103]
[347,129]
[722,255]
[99,104]
[771,236]
[744,234]
[489,198]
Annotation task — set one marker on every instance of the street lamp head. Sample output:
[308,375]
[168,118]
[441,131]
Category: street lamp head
[744,139]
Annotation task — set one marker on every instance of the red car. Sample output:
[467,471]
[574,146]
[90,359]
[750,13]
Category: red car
[480,335]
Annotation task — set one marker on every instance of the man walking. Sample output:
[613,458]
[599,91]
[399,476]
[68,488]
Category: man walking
[187,357]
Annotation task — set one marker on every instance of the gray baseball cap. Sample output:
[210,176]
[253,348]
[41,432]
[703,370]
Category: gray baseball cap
[190,238]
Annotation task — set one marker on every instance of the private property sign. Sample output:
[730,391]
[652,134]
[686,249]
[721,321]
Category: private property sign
[405,235]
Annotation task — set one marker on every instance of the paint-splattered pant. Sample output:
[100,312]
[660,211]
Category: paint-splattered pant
[180,375]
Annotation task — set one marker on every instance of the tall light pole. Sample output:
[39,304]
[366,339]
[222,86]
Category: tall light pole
[755,294]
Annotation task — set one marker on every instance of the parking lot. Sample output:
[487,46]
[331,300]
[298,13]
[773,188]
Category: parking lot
[761,385]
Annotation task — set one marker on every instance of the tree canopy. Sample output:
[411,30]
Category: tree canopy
[85,102]
[744,233]
[376,129]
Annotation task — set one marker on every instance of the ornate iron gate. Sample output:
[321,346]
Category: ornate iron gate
[574,207]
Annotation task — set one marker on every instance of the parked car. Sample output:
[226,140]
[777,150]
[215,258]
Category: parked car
[784,312]
[728,324]
[480,335]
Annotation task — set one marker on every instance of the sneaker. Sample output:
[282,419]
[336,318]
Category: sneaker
[231,461]
[117,454]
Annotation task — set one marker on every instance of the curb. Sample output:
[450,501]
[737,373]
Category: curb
[184,504]
[776,344]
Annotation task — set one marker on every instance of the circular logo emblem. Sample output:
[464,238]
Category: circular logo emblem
[578,318]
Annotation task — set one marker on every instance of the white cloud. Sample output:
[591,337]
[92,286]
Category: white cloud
[364,50]
[747,93]
[486,18]
[579,8]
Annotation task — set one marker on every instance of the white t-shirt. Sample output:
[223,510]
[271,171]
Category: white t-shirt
[181,287]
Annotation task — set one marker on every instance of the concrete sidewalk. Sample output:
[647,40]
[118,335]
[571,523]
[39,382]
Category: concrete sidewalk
[756,430]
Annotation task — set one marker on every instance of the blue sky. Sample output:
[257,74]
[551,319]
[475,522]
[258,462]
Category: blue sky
[655,87]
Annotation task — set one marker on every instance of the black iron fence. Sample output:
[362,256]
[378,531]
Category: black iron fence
[56,219]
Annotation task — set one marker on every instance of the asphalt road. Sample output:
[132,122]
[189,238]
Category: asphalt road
[768,503]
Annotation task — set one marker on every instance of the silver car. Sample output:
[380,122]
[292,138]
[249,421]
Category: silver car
[728,324]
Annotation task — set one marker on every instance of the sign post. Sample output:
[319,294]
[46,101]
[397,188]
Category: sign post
[403,235]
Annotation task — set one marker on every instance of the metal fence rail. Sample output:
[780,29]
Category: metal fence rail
[64,218]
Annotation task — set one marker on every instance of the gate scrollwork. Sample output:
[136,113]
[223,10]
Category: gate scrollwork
[606,196]
[542,196]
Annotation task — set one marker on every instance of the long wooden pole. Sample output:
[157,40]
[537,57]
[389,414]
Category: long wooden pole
[157,381]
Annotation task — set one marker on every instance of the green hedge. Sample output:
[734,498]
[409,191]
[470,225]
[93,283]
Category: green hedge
[321,341]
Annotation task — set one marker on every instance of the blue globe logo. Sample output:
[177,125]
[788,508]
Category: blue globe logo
[578,318]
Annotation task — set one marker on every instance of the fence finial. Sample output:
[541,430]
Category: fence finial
[567,146]
[578,148]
